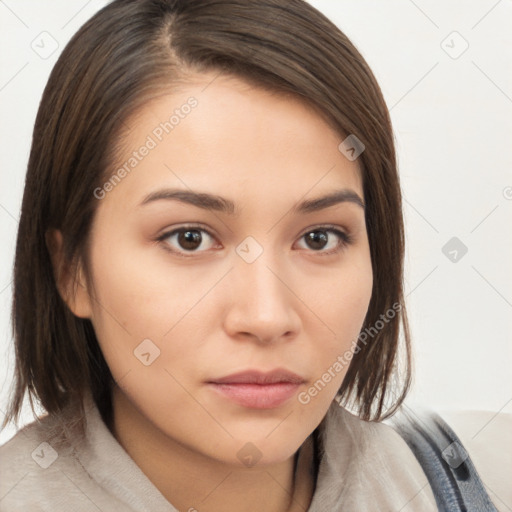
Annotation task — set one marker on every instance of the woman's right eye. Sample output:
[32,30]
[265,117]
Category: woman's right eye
[187,240]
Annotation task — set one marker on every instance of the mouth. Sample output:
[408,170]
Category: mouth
[256,389]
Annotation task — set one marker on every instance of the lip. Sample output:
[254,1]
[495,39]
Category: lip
[256,389]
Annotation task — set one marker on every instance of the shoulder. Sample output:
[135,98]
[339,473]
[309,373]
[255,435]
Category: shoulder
[376,437]
[71,461]
[487,438]
[374,464]
[38,467]
[19,459]
[368,435]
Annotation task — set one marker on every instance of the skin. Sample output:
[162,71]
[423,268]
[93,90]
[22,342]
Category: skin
[212,314]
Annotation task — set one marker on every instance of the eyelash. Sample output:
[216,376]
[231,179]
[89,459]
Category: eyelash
[345,239]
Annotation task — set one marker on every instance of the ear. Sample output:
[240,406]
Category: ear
[69,278]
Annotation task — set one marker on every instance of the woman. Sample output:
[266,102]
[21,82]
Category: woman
[209,262]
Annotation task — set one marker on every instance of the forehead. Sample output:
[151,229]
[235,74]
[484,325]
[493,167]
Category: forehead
[222,133]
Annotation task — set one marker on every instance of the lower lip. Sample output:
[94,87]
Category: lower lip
[258,396]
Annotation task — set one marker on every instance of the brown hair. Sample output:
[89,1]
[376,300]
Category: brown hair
[126,54]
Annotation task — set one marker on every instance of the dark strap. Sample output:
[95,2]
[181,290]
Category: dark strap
[449,470]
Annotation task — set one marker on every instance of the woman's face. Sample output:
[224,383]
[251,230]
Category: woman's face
[259,279]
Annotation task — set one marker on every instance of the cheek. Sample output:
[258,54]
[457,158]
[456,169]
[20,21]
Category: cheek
[143,295]
[145,306]
[342,305]
[343,297]
[343,308]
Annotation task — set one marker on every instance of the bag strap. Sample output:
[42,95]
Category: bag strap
[449,470]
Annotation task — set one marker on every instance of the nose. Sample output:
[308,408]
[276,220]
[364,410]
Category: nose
[263,306]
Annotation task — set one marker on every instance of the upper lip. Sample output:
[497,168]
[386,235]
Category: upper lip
[260,377]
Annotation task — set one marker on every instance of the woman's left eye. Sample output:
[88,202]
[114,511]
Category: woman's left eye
[319,240]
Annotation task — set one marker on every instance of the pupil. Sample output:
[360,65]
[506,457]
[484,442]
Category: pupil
[317,239]
[189,239]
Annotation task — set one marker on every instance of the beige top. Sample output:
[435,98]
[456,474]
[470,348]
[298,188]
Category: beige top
[365,466]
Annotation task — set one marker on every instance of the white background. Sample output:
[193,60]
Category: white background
[453,126]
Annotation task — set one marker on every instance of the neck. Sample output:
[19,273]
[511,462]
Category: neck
[192,481]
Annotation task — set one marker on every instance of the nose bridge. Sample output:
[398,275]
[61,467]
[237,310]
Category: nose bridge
[260,280]
[262,304]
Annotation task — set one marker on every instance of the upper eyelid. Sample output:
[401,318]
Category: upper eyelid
[199,227]
[192,227]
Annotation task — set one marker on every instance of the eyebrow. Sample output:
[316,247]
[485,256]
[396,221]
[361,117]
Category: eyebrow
[220,204]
